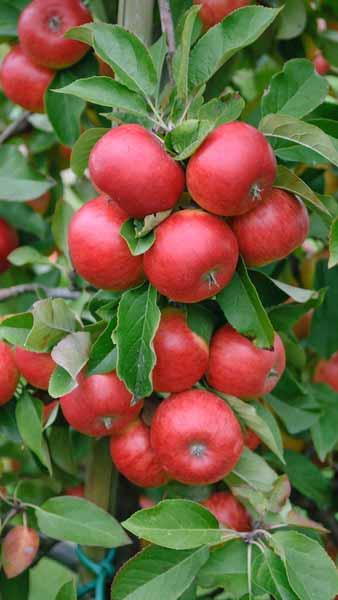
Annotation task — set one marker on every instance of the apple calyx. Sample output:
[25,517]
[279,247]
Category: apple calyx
[197,449]
[54,23]
[256,191]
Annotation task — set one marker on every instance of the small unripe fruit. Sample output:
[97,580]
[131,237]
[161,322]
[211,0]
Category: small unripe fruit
[100,405]
[232,171]
[194,256]
[36,367]
[8,242]
[9,374]
[98,251]
[321,65]
[24,82]
[196,437]
[40,205]
[181,355]
[230,513]
[214,11]
[134,457]
[19,549]
[130,165]
[272,230]
[41,30]
[237,367]
[327,372]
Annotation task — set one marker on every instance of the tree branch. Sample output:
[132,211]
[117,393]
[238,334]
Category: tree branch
[167,25]
[16,290]
[15,127]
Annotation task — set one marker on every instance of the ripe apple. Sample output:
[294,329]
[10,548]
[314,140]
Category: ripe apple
[239,368]
[36,367]
[181,355]
[41,30]
[98,251]
[196,437]
[251,439]
[327,372]
[230,513]
[130,165]
[134,457]
[24,82]
[40,205]
[9,374]
[19,548]
[194,256]
[272,230]
[8,242]
[320,63]
[232,171]
[303,325]
[99,405]
[214,11]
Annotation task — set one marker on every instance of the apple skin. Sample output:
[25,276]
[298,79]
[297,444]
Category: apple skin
[98,251]
[99,405]
[181,355]
[24,82]
[9,374]
[194,256]
[196,437]
[251,439]
[272,230]
[40,204]
[134,457]
[232,171]
[47,410]
[302,328]
[75,490]
[8,242]
[321,65]
[19,548]
[41,30]
[130,165]
[230,513]
[237,367]
[327,372]
[214,11]
[36,367]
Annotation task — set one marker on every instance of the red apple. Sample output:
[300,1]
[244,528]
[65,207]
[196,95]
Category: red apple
[47,410]
[41,30]
[196,437]
[9,374]
[272,230]
[8,242]
[134,457]
[239,368]
[194,256]
[181,355]
[230,513]
[251,439]
[130,165]
[36,367]
[19,548]
[320,63]
[327,372]
[75,490]
[303,325]
[24,82]
[232,171]
[98,251]
[40,205]
[146,502]
[99,405]
[214,11]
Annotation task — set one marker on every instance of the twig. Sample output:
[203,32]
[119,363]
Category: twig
[15,127]
[16,290]
[167,25]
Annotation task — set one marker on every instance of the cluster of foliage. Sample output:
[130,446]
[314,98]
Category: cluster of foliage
[143,363]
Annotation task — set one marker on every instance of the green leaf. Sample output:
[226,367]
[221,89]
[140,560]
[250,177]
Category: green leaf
[222,110]
[177,524]
[311,573]
[60,221]
[23,218]
[292,20]
[182,56]
[270,575]
[52,320]
[127,56]
[9,16]
[137,245]
[67,592]
[83,33]
[60,383]
[240,29]
[243,309]
[61,449]
[15,329]
[158,52]
[295,418]
[283,317]
[18,180]
[72,352]
[333,261]
[158,572]
[202,320]
[14,589]
[47,578]
[289,128]
[323,337]
[79,521]
[325,432]
[254,471]
[187,137]
[288,180]
[295,91]
[28,415]
[138,318]
[329,44]
[83,147]
[26,255]
[102,358]
[227,567]
[307,478]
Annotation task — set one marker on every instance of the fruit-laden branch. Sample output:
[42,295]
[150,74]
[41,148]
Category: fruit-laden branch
[168,28]
[14,128]
[16,290]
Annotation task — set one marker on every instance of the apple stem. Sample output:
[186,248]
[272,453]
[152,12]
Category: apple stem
[256,191]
